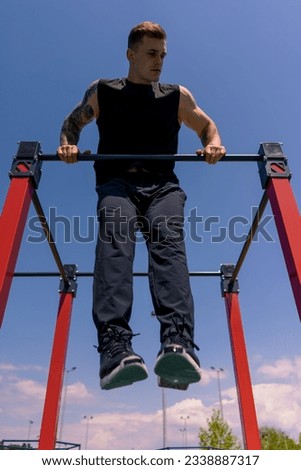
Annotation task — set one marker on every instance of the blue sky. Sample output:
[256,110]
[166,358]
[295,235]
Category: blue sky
[241,61]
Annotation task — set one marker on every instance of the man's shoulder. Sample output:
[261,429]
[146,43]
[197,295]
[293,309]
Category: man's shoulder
[168,86]
[112,82]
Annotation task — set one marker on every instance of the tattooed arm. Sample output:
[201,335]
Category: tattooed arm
[195,118]
[82,115]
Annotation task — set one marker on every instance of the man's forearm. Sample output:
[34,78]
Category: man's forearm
[210,135]
[70,133]
[73,124]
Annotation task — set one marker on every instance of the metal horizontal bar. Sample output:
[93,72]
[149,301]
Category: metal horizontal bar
[90,274]
[176,157]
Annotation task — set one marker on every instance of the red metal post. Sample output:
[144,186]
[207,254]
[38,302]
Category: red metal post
[56,373]
[242,374]
[12,223]
[288,223]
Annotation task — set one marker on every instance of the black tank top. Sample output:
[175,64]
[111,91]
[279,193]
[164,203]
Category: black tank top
[136,119]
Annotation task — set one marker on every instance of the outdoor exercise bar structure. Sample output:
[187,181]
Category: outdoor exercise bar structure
[25,176]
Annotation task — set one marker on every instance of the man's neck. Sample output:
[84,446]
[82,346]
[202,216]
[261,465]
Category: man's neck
[139,82]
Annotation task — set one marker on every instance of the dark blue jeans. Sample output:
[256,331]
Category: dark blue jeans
[155,206]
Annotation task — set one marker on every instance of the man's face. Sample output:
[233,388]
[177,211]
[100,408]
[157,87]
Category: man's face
[146,60]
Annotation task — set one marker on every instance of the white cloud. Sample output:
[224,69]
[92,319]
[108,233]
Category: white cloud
[277,404]
[30,389]
[141,430]
[22,399]
[7,367]
[134,430]
[282,369]
[77,392]
[209,375]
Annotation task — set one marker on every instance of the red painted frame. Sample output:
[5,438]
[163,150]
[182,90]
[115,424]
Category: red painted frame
[56,374]
[12,223]
[247,410]
[288,223]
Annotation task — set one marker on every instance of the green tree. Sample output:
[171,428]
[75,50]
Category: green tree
[275,439]
[218,435]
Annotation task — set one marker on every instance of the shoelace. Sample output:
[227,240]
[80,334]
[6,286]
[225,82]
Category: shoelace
[179,336]
[115,342]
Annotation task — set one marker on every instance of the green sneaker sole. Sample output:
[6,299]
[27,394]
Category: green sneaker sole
[177,368]
[130,370]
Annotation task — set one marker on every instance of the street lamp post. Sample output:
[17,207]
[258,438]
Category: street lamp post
[164,417]
[184,430]
[88,418]
[218,371]
[66,376]
[153,314]
[29,429]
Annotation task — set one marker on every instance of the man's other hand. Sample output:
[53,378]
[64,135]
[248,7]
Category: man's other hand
[212,153]
[68,153]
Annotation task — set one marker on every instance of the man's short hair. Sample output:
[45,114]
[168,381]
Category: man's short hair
[147,28]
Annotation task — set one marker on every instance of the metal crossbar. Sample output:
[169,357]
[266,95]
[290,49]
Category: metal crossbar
[250,236]
[253,157]
[90,274]
[49,237]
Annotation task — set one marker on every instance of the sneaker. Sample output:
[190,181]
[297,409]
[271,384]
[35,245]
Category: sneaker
[164,383]
[177,365]
[119,364]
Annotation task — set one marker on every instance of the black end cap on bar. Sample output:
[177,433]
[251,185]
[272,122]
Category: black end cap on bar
[227,286]
[69,286]
[273,164]
[30,150]
[26,163]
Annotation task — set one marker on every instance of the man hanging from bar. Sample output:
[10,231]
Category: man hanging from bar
[139,115]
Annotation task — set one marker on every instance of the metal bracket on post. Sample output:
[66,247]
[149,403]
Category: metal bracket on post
[26,162]
[69,284]
[228,285]
[274,163]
